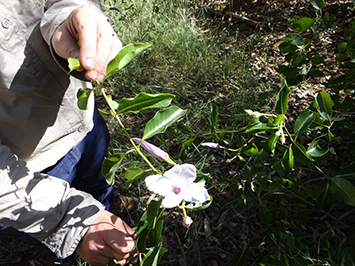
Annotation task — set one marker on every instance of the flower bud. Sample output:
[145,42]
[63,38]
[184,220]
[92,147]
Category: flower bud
[152,149]
[210,145]
[187,221]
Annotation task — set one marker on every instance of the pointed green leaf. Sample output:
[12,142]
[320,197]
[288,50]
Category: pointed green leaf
[162,120]
[317,4]
[343,188]
[153,212]
[287,47]
[154,235]
[278,120]
[184,129]
[125,55]
[317,60]
[288,158]
[83,97]
[110,166]
[213,116]
[282,98]
[314,150]
[144,101]
[112,102]
[294,39]
[153,256]
[270,144]
[296,59]
[300,153]
[341,57]
[131,174]
[239,258]
[325,105]
[73,64]
[302,24]
[303,122]
[265,216]
[324,200]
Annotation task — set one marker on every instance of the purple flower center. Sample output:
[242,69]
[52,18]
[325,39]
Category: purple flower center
[176,190]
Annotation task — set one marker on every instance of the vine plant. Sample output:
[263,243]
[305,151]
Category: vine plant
[172,188]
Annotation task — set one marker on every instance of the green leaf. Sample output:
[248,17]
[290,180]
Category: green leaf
[314,150]
[296,59]
[73,64]
[342,46]
[162,120]
[125,55]
[302,24]
[344,188]
[259,128]
[270,144]
[317,60]
[288,158]
[131,174]
[110,166]
[287,47]
[317,4]
[325,105]
[154,235]
[341,57]
[278,120]
[275,186]
[265,216]
[282,98]
[325,200]
[83,97]
[184,129]
[252,151]
[300,153]
[213,116]
[153,256]
[144,101]
[303,122]
[294,39]
[153,212]
[112,102]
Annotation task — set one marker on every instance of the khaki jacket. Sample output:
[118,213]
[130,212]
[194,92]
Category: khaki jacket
[39,123]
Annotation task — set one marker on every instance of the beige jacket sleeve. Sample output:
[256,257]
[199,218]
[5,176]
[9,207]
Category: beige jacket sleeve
[44,206]
[39,123]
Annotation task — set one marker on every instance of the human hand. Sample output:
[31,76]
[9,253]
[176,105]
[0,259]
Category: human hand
[98,42]
[107,238]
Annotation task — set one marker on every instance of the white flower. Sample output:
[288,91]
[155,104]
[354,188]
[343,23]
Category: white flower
[177,185]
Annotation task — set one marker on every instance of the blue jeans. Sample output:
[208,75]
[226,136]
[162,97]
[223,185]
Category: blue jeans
[81,168]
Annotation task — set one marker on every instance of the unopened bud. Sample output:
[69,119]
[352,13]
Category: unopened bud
[187,221]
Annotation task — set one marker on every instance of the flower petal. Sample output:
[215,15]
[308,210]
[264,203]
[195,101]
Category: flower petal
[171,200]
[158,184]
[195,193]
[184,171]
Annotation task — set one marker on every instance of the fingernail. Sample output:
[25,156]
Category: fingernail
[101,77]
[89,63]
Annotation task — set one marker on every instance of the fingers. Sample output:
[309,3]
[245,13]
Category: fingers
[107,238]
[98,42]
